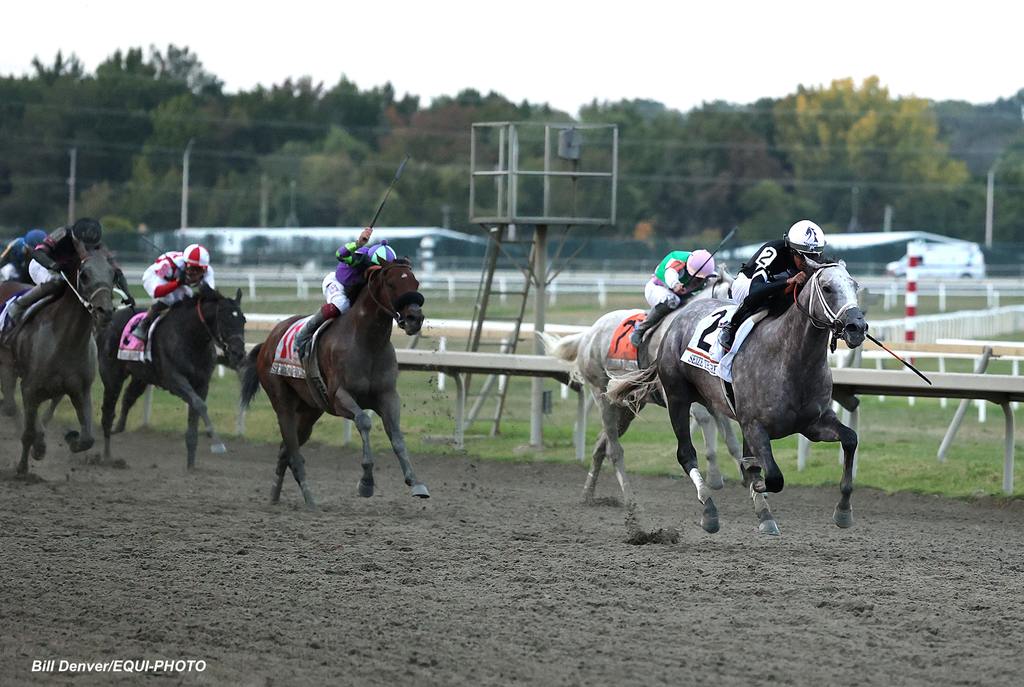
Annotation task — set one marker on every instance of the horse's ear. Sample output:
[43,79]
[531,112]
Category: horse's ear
[238,296]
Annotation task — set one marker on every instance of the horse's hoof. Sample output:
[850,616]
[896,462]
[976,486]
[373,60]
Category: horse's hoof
[758,485]
[38,451]
[365,489]
[219,447]
[709,519]
[307,494]
[843,518]
[275,492]
[715,481]
[420,491]
[71,437]
[118,428]
[769,527]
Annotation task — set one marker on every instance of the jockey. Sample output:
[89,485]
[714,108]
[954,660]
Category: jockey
[677,278]
[16,257]
[341,286]
[776,265]
[171,279]
[58,253]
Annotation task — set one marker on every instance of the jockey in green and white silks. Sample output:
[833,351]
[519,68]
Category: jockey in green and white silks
[679,275]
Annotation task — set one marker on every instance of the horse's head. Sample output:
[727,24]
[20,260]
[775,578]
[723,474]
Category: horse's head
[396,291]
[831,301]
[94,283]
[225,322]
[721,280]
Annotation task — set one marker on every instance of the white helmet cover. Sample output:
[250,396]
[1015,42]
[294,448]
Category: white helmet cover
[806,237]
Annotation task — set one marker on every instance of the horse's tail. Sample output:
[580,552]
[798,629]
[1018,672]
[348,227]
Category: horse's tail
[565,348]
[631,389]
[250,377]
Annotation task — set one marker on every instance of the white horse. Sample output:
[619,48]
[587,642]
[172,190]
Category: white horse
[588,351]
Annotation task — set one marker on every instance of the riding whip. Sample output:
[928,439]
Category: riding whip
[886,349]
[387,193]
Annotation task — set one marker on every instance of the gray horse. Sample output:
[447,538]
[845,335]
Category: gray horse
[54,353]
[588,351]
[782,386]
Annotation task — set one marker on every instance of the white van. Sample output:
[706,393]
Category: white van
[949,260]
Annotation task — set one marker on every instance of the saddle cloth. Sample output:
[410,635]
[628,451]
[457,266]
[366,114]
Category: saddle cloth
[705,352]
[4,319]
[286,357]
[622,353]
[131,347]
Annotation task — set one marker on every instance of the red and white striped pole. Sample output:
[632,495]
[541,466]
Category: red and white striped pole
[914,251]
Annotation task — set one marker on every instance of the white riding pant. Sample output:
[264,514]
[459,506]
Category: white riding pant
[41,275]
[334,293]
[740,288]
[656,293]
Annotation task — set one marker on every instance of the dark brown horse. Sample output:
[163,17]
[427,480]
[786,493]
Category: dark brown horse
[359,369]
[54,353]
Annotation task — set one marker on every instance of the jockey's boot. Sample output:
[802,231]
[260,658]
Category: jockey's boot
[656,315]
[141,331]
[727,330]
[34,295]
[305,336]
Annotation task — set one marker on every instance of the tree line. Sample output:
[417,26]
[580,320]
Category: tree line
[299,152]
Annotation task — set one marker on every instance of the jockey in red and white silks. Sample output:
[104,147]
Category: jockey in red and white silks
[171,279]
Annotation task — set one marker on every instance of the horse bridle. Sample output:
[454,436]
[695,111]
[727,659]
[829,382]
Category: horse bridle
[834,325]
[86,302]
[214,334]
[412,296]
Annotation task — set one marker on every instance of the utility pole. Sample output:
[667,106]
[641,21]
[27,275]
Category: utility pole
[293,218]
[854,207]
[184,183]
[264,199]
[72,178]
[446,216]
[990,193]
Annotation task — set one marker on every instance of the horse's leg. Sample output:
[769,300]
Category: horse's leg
[596,460]
[288,421]
[191,437]
[621,421]
[216,445]
[136,387]
[725,427]
[756,439]
[113,380]
[8,381]
[30,432]
[51,410]
[612,419]
[829,428]
[178,385]
[282,467]
[679,405]
[81,399]
[390,409]
[710,431]
[342,399]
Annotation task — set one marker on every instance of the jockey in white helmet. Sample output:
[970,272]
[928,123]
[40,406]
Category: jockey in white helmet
[766,275]
[172,278]
[678,276]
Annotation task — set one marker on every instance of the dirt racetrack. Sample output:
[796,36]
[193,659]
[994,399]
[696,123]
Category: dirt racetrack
[502,577]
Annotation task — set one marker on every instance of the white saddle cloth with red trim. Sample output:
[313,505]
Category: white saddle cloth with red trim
[286,356]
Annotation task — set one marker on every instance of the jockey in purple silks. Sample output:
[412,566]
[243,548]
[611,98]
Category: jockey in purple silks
[341,286]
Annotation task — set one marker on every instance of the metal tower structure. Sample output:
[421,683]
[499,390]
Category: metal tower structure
[540,176]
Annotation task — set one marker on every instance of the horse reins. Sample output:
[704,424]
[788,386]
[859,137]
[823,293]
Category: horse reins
[86,303]
[215,335]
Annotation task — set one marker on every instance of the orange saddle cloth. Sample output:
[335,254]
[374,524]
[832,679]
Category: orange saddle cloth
[621,348]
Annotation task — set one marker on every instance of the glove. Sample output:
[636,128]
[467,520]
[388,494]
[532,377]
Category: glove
[128,300]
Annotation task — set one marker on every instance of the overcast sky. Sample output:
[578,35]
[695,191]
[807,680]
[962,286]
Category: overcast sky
[564,53]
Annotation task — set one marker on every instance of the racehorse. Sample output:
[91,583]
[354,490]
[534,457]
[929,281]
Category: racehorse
[782,386]
[589,351]
[357,361]
[184,355]
[54,354]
